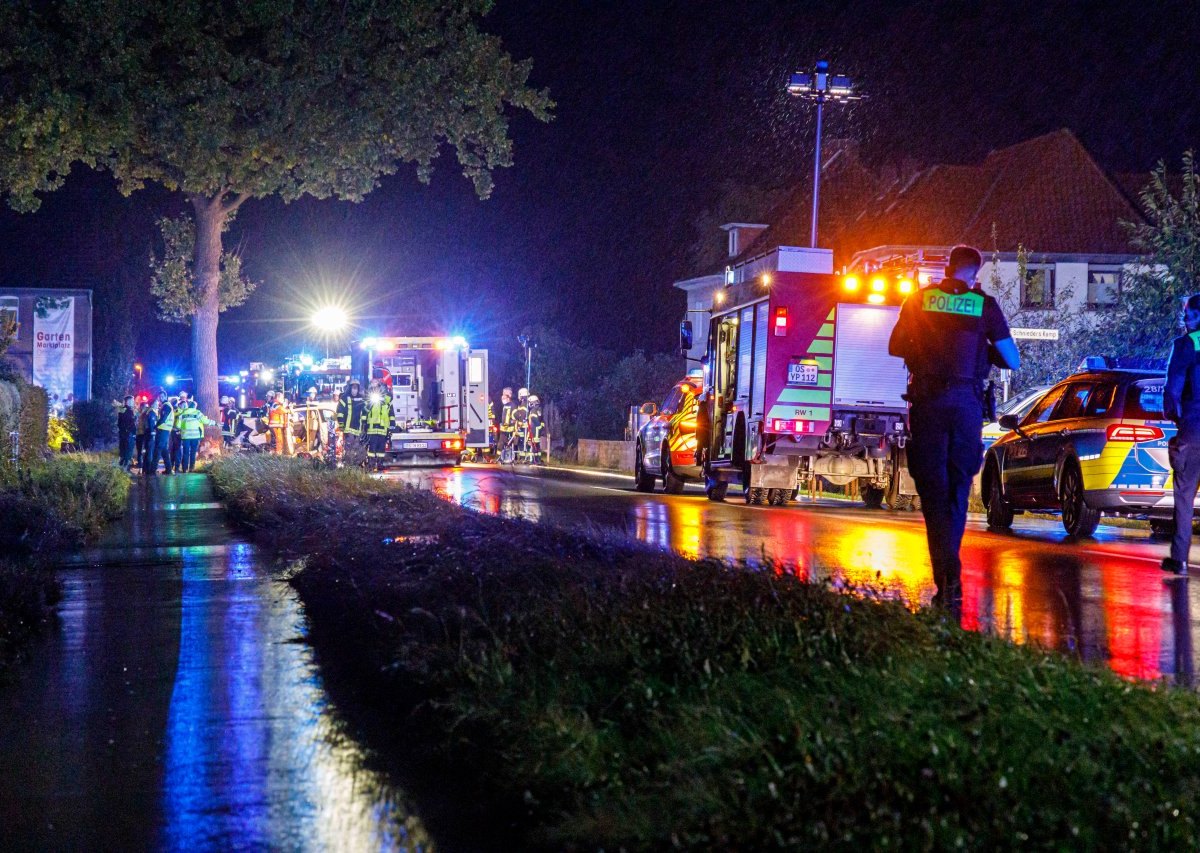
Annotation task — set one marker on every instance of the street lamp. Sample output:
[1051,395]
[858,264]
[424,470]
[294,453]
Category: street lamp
[329,321]
[529,344]
[820,86]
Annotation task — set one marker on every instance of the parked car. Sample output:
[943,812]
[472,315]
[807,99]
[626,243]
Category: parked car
[1094,443]
[666,444]
[1019,405]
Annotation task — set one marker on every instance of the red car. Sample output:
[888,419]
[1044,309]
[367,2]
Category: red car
[666,445]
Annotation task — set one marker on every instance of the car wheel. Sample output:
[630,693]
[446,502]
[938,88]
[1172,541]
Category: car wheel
[1078,518]
[872,497]
[672,483]
[715,490]
[1162,527]
[999,510]
[642,480]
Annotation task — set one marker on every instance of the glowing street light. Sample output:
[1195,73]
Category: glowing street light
[820,86]
[330,319]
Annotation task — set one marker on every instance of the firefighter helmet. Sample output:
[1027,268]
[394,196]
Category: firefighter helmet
[523,393]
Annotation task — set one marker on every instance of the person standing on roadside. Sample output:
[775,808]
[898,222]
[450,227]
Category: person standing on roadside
[140,436]
[162,434]
[148,460]
[378,421]
[126,430]
[191,429]
[949,335]
[350,423]
[1181,404]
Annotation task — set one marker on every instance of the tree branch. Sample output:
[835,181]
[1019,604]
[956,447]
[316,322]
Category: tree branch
[237,202]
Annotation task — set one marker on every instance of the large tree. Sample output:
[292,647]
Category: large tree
[228,101]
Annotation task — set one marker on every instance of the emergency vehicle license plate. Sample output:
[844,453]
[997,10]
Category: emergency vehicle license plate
[414,445]
[802,374]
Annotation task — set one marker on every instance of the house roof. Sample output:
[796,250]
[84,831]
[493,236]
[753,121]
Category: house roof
[1046,193]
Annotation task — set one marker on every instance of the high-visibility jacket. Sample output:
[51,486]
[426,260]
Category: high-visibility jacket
[506,417]
[350,413]
[277,415]
[192,422]
[535,425]
[166,417]
[379,417]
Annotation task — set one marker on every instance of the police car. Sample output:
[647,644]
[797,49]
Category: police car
[1094,443]
[1019,405]
[666,444]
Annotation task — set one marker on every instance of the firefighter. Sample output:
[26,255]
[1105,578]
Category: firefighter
[1181,404]
[520,421]
[378,421]
[312,421]
[536,426]
[277,423]
[505,436]
[350,422]
[191,429]
[949,336]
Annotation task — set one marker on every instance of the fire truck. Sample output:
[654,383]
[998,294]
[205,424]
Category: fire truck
[439,391]
[799,385]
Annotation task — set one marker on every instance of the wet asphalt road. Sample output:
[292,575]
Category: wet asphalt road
[1103,599]
[174,706]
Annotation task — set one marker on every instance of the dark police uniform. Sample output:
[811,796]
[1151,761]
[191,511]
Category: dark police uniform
[943,335]
[1181,404]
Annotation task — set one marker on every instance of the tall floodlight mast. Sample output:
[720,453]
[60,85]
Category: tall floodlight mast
[820,86]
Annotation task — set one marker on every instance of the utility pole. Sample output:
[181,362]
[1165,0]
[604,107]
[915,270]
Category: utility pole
[819,86]
[529,344]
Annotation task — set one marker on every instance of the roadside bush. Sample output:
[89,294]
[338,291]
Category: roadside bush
[49,507]
[34,422]
[58,433]
[615,696]
[93,423]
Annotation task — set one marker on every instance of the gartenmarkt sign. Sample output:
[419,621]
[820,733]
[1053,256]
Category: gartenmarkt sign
[54,350]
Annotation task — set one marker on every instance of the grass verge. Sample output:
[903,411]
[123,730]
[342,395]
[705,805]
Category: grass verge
[615,696]
[47,508]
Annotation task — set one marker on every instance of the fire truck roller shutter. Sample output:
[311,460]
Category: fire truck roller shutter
[864,373]
[758,389]
[745,352]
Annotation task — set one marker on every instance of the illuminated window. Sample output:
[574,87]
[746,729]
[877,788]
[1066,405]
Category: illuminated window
[1037,289]
[1103,287]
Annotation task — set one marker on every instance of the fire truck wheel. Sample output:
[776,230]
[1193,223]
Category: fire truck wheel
[715,490]
[756,496]
[778,497]
[872,497]
[643,481]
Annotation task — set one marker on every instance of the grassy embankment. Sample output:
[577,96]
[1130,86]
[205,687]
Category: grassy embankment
[610,695]
[47,509]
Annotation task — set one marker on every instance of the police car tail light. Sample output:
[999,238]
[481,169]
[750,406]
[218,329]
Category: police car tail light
[1134,432]
[781,320]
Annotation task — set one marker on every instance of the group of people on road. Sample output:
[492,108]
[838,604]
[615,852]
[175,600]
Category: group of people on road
[168,431]
[518,428]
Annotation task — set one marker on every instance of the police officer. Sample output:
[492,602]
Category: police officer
[949,334]
[1181,404]
[162,435]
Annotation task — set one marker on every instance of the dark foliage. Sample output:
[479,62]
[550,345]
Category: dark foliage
[618,697]
[93,423]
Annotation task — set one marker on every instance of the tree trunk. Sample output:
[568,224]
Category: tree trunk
[206,265]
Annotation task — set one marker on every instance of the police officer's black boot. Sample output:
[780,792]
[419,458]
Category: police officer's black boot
[1175,567]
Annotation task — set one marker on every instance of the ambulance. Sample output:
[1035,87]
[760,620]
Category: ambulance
[798,384]
[439,392]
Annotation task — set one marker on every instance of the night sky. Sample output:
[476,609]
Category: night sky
[660,105]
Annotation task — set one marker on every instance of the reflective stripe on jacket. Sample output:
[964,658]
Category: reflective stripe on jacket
[192,423]
[277,415]
[167,420]
[379,417]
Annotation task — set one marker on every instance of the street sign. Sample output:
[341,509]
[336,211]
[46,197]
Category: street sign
[1034,334]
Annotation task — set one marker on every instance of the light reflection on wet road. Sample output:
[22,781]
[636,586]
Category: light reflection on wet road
[173,707]
[1102,599]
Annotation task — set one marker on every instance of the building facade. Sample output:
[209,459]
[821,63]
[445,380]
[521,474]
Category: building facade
[53,346]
